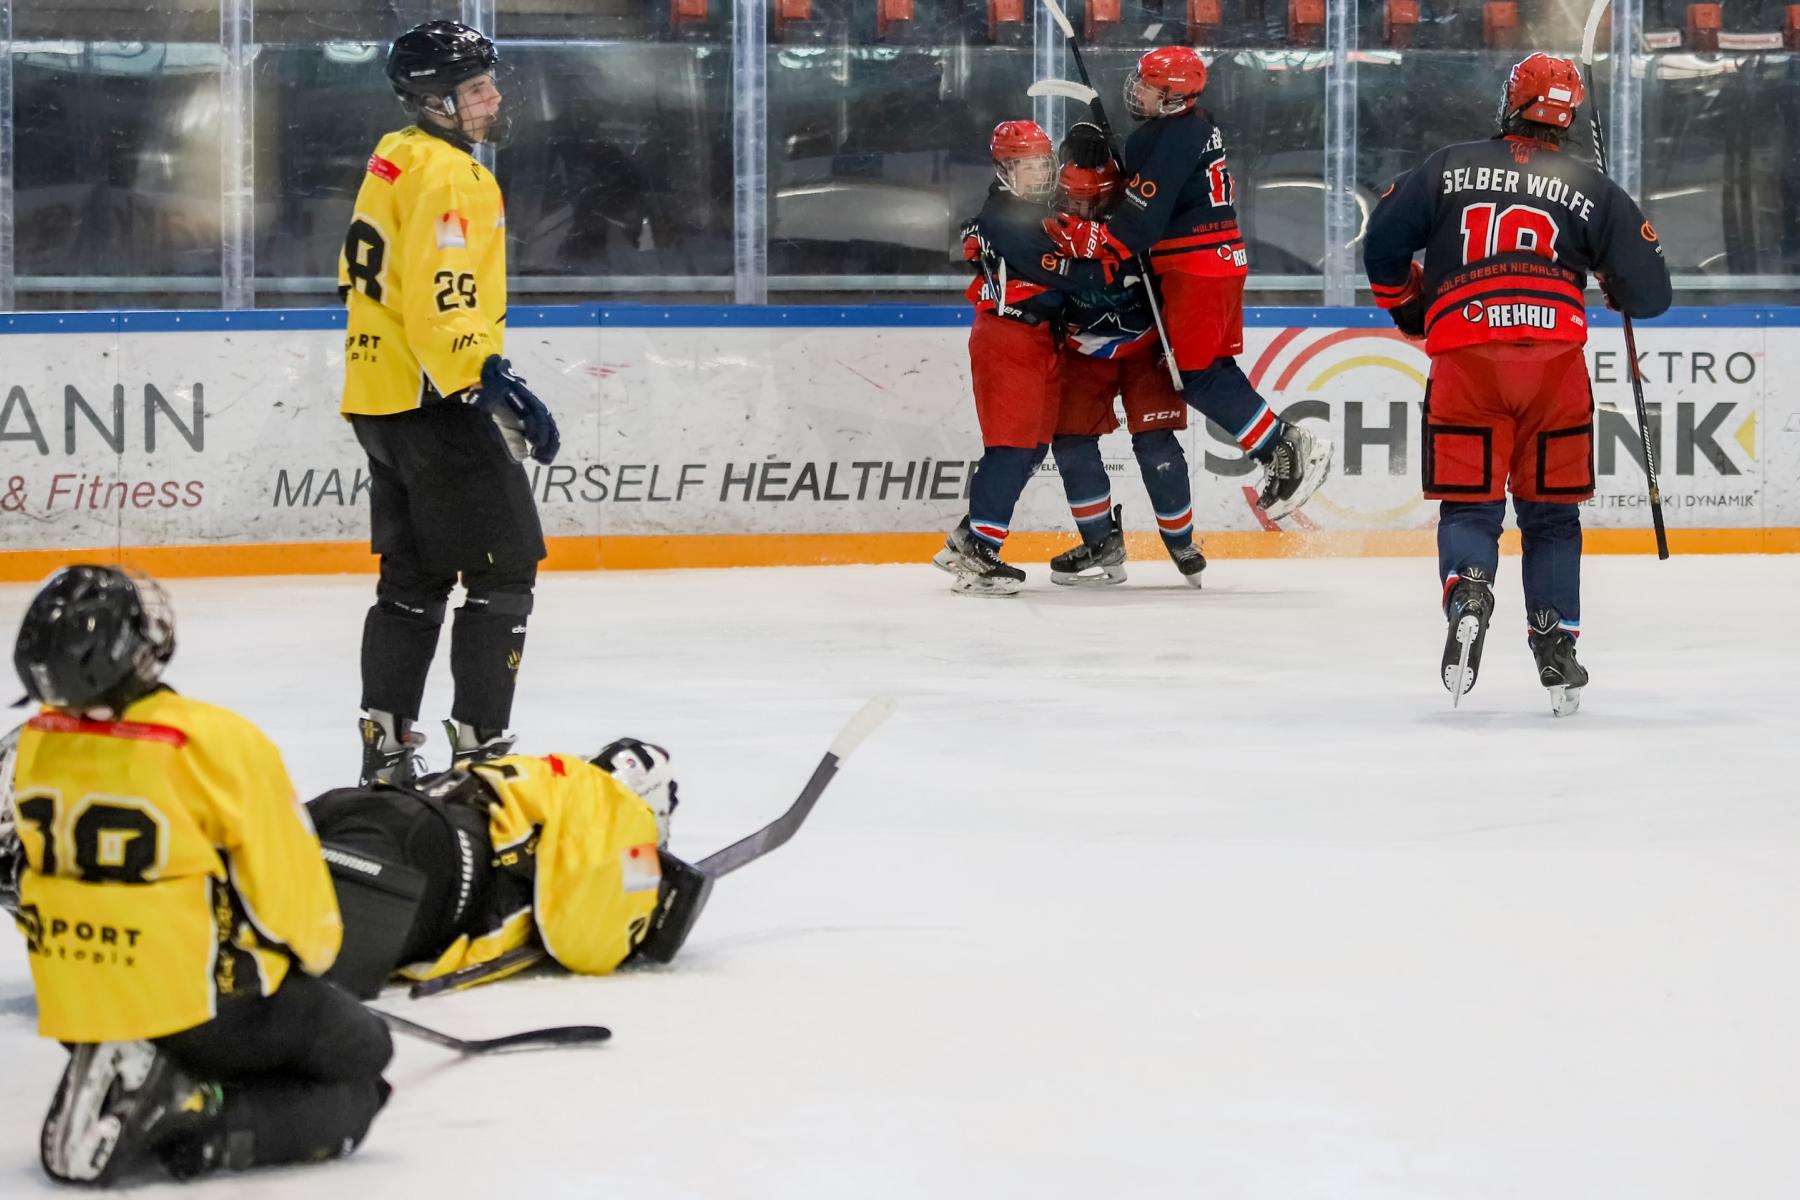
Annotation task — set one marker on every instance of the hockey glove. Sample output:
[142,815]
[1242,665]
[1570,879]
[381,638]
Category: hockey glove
[1076,238]
[975,246]
[1406,303]
[518,412]
[1409,318]
[1606,291]
[644,769]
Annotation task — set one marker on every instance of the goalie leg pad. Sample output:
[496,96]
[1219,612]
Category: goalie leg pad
[408,869]
[379,901]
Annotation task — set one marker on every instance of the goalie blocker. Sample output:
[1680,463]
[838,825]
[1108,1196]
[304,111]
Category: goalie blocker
[461,868]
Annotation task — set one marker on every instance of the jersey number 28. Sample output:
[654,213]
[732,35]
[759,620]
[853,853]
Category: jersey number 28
[1516,227]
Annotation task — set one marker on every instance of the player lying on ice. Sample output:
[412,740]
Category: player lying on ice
[454,870]
[176,910]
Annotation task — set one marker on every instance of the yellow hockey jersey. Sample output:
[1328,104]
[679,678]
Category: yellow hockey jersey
[424,271]
[574,856]
[168,863]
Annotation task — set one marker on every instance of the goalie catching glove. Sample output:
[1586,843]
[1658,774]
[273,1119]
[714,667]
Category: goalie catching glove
[524,420]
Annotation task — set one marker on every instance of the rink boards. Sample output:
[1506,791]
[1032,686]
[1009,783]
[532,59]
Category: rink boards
[209,443]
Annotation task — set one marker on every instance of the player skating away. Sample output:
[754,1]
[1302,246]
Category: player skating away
[444,421]
[1179,209]
[176,910]
[1110,351]
[1510,227]
[1013,361]
[455,870]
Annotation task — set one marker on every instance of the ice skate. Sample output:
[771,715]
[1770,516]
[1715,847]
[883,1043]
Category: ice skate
[1300,463]
[118,1105]
[1554,649]
[1189,561]
[1468,607]
[1101,565]
[978,569]
[470,745]
[390,749]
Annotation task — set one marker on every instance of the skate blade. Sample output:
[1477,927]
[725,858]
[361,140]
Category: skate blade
[1458,678]
[1193,580]
[1564,701]
[966,585]
[1316,471]
[1108,577]
[88,1133]
[945,561]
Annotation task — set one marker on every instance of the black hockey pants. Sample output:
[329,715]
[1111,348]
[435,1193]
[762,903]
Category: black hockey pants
[301,1071]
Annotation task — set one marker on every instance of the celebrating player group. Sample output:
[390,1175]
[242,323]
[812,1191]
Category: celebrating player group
[201,942]
[1510,227]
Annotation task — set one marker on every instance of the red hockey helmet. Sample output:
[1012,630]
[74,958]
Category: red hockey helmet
[1543,90]
[1166,81]
[1087,192]
[1024,162]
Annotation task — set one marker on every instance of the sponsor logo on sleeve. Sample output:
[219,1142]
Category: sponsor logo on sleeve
[382,169]
[452,231]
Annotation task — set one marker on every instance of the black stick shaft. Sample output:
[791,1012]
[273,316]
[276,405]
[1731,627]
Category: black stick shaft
[1112,141]
[1637,380]
[518,958]
[556,1035]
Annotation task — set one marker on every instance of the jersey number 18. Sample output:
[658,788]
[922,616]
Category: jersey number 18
[1517,227]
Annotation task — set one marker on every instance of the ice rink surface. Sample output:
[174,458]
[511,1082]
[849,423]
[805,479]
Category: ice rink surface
[1144,892]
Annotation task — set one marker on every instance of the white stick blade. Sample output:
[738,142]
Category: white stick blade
[867,720]
[1066,88]
[1062,22]
[1589,31]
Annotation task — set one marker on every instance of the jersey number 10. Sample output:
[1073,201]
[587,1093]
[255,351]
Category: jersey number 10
[1517,227]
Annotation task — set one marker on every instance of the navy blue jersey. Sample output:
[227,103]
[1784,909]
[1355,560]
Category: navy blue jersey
[1510,228]
[1018,272]
[1112,322]
[1180,200]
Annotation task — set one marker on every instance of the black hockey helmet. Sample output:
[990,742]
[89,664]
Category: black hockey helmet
[94,637]
[429,60]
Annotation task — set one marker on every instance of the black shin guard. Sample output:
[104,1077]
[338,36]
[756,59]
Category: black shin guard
[487,643]
[400,635]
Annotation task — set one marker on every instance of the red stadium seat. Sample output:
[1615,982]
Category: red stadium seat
[789,12]
[891,13]
[1204,18]
[1791,31]
[1306,22]
[1703,23]
[1005,17]
[1500,25]
[1102,16]
[1400,18]
[686,14]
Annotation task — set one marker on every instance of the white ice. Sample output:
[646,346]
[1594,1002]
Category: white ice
[1146,892]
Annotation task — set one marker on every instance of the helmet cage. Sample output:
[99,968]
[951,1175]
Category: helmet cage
[1031,177]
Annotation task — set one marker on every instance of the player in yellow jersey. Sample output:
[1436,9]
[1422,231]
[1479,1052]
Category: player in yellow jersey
[176,910]
[445,422]
[456,870]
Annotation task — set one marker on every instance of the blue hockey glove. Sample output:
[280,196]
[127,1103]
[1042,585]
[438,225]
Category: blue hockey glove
[505,397]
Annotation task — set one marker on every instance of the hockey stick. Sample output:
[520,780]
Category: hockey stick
[557,1035]
[1094,106]
[1067,89]
[740,853]
[1589,33]
[518,958]
[776,833]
